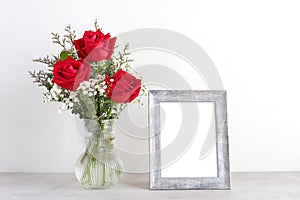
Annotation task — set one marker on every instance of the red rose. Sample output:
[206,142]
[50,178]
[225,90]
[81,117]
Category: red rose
[95,46]
[69,73]
[122,87]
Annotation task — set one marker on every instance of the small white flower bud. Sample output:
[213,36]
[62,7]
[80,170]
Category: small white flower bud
[101,91]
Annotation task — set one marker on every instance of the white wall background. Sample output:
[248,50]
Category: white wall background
[255,46]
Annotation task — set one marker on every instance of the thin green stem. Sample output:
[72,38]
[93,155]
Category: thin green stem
[103,175]
[110,110]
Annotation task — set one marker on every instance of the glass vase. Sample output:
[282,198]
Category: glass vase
[99,167]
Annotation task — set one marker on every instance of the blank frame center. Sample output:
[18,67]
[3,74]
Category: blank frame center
[189,163]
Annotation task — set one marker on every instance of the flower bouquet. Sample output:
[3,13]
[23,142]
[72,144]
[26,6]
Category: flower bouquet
[95,84]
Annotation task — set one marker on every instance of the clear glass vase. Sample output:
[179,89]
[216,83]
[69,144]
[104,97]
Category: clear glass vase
[99,167]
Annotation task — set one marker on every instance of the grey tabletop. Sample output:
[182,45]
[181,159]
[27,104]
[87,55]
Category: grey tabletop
[31,186]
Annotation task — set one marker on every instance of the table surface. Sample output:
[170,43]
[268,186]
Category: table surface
[264,186]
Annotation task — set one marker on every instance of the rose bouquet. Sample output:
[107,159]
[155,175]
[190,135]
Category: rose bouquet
[95,84]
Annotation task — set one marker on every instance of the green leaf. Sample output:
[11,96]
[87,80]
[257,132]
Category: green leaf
[85,108]
[92,125]
[64,55]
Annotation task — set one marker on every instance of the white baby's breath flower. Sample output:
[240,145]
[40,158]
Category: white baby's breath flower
[84,92]
[47,98]
[72,95]
[76,100]
[101,91]
[53,92]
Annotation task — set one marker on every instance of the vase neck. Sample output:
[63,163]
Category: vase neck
[102,136]
[100,128]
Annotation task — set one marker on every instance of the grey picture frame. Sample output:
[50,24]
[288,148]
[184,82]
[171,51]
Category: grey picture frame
[222,181]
